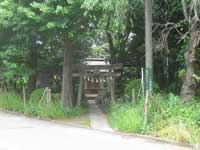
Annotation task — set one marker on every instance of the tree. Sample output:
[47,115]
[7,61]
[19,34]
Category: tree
[189,85]
[18,20]
[39,32]
[67,21]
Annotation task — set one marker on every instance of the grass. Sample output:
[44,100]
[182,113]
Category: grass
[123,117]
[13,102]
[181,123]
[87,123]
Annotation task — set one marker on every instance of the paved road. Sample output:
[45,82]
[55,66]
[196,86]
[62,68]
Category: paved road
[20,133]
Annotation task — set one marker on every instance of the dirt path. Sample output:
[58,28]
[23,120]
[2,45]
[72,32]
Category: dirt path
[97,119]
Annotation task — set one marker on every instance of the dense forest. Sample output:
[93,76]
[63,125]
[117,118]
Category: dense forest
[41,40]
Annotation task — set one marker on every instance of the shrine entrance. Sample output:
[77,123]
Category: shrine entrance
[96,76]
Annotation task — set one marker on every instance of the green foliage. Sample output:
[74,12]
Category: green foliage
[36,95]
[198,119]
[13,102]
[39,28]
[197,93]
[54,110]
[180,124]
[136,84]
[124,117]
[181,73]
[101,51]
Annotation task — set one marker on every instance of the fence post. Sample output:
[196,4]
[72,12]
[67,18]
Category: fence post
[80,91]
[133,96]
[143,81]
[24,97]
[48,96]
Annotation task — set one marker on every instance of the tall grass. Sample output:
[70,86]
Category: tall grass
[13,102]
[181,122]
[124,117]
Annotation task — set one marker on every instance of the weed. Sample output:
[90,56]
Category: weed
[13,102]
[181,121]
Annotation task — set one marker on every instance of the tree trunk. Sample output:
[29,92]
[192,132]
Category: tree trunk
[189,85]
[148,43]
[67,83]
[110,42]
[80,91]
[33,61]
[32,83]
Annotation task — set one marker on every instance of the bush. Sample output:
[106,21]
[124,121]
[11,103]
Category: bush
[198,119]
[136,84]
[197,93]
[36,95]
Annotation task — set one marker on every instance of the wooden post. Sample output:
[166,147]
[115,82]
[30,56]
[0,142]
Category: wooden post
[24,97]
[112,88]
[1,90]
[146,108]
[156,106]
[85,82]
[5,90]
[142,81]
[133,96]
[43,96]
[80,91]
[48,96]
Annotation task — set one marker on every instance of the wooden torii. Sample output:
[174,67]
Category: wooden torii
[96,78]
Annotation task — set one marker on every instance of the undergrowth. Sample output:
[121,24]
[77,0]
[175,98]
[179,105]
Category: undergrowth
[13,102]
[181,122]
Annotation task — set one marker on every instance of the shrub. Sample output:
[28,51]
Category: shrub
[136,84]
[36,95]
[197,93]
[198,119]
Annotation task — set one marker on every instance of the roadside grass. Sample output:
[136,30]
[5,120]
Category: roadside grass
[87,122]
[12,101]
[124,117]
[181,122]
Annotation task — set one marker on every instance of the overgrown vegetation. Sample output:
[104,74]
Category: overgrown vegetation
[136,84]
[181,122]
[64,32]
[13,102]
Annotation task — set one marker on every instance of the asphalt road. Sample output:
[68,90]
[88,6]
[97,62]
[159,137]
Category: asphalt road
[20,133]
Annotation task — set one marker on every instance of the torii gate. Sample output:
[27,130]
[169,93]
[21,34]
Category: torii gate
[96,77]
